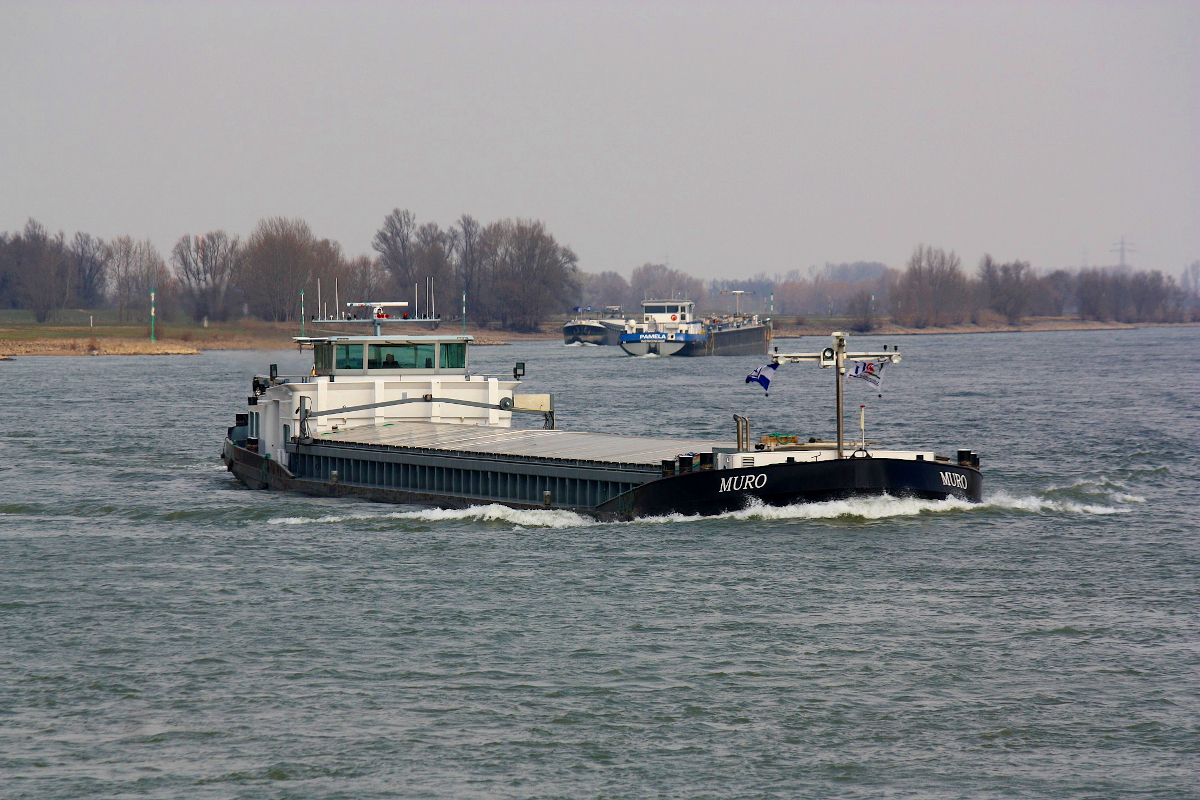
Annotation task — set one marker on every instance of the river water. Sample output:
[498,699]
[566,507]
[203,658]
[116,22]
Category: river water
[165,632]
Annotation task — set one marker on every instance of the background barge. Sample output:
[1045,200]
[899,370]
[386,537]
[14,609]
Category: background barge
[671,328]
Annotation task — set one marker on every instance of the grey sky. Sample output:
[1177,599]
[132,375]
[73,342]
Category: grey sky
[728,137]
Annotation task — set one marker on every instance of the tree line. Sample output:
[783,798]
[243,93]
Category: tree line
[517,276]
[933,290]
[514,271]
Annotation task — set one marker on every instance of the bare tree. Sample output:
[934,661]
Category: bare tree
[659,282]
[1191,278]
[134,270]
[1155,297]
[469,263]
[1052,293]
[1006,287]
[121,266]
[330,267]
[9,280]
[1190,283]
[206,266]
[89,262]
[279,260]
[861,310]
[528,274]
[44,271]
[394,243]
[606,289]
[932,291]
[151,274]
[433,256]
[365,279]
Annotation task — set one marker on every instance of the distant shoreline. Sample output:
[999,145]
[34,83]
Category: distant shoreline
[1033,325]
[15,341]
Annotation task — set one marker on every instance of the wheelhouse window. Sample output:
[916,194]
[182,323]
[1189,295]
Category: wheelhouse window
[454,355]
[400,356]
[656,310]
[348,356]
[323,358]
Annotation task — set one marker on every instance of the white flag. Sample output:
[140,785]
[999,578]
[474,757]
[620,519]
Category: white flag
[869,371]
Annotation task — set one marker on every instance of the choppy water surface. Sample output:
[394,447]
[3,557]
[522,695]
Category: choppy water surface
[167,633]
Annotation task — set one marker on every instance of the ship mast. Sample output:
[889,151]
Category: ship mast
[836,356]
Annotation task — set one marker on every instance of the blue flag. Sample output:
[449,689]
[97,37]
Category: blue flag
[763,376]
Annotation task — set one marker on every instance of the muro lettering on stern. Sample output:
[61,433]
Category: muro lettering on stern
[954,479]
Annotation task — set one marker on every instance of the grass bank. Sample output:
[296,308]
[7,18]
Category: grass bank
[76,332]
[102,333]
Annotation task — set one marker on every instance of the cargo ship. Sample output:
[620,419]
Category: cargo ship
[671,328]
[402,418]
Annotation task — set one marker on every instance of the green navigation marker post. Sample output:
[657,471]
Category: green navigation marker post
[151,315]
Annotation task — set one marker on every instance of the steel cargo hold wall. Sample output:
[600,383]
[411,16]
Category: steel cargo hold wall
[478,477]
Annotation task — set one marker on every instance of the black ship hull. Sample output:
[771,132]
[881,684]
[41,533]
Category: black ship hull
[747,341]
[458,481]
[744,340]
[591,332]
[709,492]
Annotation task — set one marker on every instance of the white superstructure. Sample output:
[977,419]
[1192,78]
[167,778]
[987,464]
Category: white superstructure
[665,316]
[374,381]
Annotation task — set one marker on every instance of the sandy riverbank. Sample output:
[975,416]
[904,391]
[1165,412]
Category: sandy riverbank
[94,347]
[18,343]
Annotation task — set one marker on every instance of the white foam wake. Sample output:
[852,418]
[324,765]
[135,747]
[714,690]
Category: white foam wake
[880,507]
[1102,486]
[885,506]
[528,518]
[1044,505]
[866,508]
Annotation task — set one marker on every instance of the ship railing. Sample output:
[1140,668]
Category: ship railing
[529,404]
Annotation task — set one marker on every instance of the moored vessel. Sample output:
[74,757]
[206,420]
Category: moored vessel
[402,418]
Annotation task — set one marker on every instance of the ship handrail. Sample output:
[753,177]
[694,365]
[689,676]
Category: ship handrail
[505,404]
[425,398]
